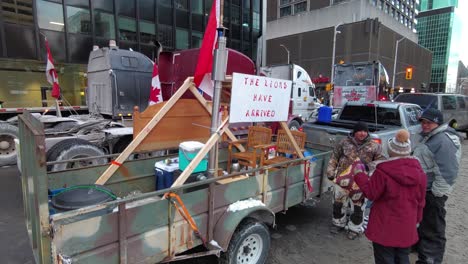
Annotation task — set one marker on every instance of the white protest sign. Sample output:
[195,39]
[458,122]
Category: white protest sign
[259,99]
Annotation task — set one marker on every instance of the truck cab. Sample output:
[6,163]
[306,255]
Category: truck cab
[303,98]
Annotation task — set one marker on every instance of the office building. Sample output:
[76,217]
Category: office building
[365,30]
[72,27]
[439,30]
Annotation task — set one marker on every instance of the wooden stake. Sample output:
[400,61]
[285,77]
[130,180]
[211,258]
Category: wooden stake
[113,167]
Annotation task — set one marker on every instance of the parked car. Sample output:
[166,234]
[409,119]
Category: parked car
[454,107]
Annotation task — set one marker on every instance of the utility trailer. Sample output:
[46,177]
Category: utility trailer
[232,214]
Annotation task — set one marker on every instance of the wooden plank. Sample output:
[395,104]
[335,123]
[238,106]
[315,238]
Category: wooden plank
[233,179]
[201,154]
[288,132]
[113,167]
[206,105]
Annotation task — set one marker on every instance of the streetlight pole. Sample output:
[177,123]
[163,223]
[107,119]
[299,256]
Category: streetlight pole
[394,63]
[287,51]
[332,75]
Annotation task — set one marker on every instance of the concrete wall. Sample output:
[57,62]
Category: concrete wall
[329,16]
[366,40]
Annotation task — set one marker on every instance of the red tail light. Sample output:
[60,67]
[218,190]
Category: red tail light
[377,140]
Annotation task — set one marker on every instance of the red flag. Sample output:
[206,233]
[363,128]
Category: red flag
[202,77]
[155,94]
[51,74]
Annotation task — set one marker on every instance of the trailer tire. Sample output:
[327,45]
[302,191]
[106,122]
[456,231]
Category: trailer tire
[8,134]
[74,148]
[249,244]
[294,125]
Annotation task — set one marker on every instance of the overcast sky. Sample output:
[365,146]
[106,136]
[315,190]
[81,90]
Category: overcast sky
[462,12]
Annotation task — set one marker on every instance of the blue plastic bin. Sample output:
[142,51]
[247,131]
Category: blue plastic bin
[325,114]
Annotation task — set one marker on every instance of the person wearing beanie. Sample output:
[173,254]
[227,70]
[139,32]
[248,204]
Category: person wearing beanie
[439,151]
[357,145]
[398,189]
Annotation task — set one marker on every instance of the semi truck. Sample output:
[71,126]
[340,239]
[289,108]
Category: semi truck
[359,82]
[119,80]
[303,98]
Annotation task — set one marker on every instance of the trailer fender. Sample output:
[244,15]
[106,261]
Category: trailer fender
[230,220]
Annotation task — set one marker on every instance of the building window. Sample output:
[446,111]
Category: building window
[292,7]
[104,24]
[285,11]
[147,34]
[78,20]
[127,29]
[300,7]
[50,15]
[182,39]
[18,12]
[196,39]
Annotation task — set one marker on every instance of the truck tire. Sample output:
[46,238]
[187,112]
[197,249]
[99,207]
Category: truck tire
[74,148]
[8,133]
[249,244]
[294,125]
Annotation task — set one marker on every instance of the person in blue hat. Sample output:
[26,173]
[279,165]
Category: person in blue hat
[439,153]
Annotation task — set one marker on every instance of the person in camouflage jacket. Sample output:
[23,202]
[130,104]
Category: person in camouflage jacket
[357,145]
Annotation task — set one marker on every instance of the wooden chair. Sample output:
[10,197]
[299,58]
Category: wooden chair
[284,146]
[257,138]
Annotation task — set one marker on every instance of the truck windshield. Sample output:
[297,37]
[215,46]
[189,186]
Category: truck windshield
[352,75]
[385,116]
[423,100]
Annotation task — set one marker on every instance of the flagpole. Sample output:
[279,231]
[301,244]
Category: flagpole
[218,76]
[58,113]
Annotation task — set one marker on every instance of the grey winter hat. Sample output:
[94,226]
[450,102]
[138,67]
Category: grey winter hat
[433,115]
[399,145]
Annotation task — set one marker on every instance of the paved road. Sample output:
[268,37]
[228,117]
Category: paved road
[302,235]
[14,241]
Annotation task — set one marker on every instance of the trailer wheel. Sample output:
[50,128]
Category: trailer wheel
[8,133]
[74,148]
[294,125]
[249,244]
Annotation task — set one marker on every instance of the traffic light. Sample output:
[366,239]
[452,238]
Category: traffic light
[409,73]
[328,87]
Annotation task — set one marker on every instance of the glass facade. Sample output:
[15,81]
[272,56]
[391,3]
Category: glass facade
[72,27]
[439,30]
[403,11]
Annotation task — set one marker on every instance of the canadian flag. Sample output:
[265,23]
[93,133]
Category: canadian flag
[155,94]
[202,77]
[51,73]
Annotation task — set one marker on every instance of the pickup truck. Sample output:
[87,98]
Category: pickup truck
[383,119]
